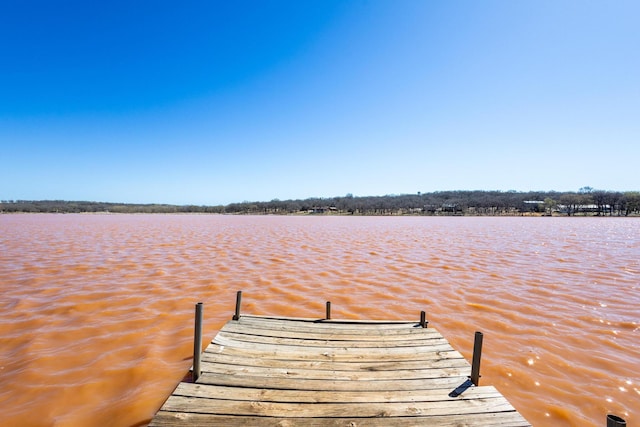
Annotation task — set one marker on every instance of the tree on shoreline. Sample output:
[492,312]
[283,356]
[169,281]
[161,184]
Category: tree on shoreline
[586,201]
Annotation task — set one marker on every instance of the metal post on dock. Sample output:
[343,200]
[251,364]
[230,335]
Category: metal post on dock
[477,354]
[328,315]
[236,316]
[197,342]
[423,319]
[615,421]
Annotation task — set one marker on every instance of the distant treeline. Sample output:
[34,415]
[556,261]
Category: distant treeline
[586,201]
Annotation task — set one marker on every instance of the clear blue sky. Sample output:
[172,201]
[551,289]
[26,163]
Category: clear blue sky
[215,102]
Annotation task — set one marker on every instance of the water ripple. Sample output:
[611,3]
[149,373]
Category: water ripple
[96,310]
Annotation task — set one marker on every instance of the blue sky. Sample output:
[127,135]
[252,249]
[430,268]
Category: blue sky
[216,102]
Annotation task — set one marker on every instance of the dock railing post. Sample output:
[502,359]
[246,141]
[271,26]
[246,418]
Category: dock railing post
[328,315]
[477,354]
[236,316]
[423,319]
[615,421]
[197,342]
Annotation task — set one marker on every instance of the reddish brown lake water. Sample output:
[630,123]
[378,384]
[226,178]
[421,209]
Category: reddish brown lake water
[96,311]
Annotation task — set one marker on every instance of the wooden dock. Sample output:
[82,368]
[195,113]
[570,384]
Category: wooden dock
[268,371]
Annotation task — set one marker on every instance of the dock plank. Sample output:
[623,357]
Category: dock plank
[322,384]
[272,371]
[335,323]
[180,419]
[329,334]
[340,353]
[328,374]
[332,410]
[415,341]
[446,359]
[331,396]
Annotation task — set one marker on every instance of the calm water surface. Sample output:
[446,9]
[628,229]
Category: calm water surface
[96,311]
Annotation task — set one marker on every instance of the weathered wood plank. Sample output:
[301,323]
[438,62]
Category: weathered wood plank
[326,374]
[328,325]
[329,410]
[328,352]
[446,359]
[180,419]
[241,361]
[329,333]
[322,328]
[332,396]
[327,342]
[321,384]
[334,322]
[331,355]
